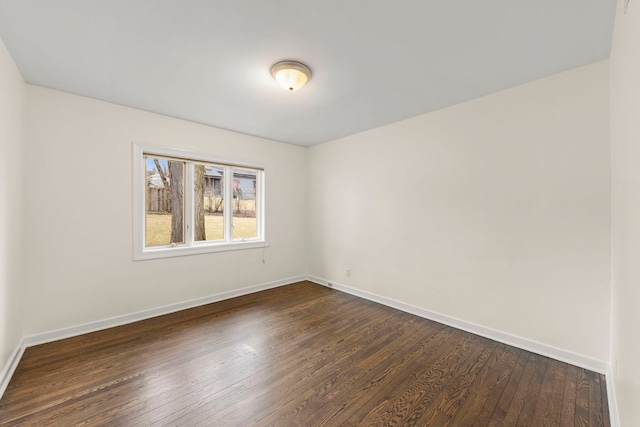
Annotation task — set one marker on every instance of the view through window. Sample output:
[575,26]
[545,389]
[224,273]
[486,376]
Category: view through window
[220,206]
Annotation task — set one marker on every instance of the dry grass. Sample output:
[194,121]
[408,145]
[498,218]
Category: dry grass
[159,228]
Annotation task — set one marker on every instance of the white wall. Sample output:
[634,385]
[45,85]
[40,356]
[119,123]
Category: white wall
[625,137]
[78,211]
[494,211]
[11,203]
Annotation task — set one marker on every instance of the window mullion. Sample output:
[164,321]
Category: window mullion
[189,203]
[228,203]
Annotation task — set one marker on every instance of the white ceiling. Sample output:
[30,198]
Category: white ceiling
[374,62]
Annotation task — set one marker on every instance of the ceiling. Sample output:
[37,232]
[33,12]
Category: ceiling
[374,62]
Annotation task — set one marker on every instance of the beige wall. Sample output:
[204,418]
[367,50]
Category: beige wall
[11,204]
[494,211]
[625,138]
[79,213]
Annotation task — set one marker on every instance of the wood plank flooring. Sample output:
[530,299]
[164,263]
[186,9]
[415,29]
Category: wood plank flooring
[299,355]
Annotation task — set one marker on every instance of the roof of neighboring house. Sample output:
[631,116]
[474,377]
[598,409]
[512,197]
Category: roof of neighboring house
[213,172]
[155,181]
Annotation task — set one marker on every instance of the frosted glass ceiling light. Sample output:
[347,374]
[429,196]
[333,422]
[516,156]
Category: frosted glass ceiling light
[291,75]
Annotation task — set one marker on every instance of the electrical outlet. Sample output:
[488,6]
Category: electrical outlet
[348,272]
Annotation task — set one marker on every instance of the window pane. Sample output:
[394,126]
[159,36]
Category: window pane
[209,206]
[244,204]
[164,199]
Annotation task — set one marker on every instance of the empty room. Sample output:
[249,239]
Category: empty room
[297,213]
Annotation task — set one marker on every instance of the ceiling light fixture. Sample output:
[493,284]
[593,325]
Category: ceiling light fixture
[291,75]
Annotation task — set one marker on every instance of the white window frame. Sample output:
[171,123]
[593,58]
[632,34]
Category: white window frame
[191,247]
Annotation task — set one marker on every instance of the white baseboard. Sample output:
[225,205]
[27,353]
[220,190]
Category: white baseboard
[496,335]
[10,367]
[612,400]
[86,328]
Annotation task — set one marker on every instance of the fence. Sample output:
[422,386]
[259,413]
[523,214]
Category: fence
[159,200]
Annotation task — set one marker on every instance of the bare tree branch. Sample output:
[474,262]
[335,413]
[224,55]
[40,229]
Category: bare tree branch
[165,181]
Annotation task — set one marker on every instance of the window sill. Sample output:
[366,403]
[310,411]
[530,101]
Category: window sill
[203,248]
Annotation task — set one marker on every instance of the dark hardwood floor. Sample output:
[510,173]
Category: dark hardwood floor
[299,355]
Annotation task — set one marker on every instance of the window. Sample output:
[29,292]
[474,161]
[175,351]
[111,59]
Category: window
[185,203]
